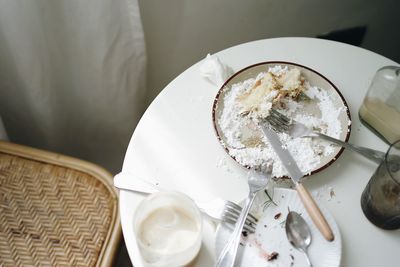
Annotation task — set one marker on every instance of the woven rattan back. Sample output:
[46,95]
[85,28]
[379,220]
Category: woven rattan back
[55,210]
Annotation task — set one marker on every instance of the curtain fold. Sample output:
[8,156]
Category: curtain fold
[72,76]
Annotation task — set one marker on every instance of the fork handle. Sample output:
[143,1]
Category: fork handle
[372,154]
[314,212]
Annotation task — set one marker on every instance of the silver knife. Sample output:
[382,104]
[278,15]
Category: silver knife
[296,174]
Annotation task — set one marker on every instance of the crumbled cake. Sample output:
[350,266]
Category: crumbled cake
[269,90]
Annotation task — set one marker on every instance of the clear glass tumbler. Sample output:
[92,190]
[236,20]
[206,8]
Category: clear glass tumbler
[380,200]
[380,109]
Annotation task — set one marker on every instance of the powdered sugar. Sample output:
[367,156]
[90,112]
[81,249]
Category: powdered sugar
[249,146]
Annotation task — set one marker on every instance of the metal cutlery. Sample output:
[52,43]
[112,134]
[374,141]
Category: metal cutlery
[295,174]
[298,233]
[256,181]
[217,209]
[281,123]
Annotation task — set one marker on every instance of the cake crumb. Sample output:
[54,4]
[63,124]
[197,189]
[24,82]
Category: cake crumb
[273,256]
[332,193]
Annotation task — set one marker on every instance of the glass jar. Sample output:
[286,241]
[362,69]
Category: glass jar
[168,229]
[380,109]
[380,200]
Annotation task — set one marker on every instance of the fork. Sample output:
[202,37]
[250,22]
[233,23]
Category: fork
[257,181]
[227,211]
[282,123]
[217,209]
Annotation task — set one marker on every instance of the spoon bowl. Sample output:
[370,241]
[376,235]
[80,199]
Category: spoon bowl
[298,233]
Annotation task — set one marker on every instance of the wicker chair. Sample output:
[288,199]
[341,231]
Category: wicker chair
[55,210]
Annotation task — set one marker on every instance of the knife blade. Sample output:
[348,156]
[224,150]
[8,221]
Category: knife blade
[296,174]
[283,154]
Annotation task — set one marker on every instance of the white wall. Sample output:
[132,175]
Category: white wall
[181,32]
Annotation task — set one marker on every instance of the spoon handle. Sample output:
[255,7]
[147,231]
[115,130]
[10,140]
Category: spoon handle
[314,212]
[307,258]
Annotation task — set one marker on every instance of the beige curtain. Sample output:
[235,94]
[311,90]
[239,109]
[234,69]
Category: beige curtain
[72,75]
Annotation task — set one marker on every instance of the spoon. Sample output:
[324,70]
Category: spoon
[298,233]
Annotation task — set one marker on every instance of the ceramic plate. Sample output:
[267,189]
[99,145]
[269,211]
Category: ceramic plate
[270,236]
[314,79]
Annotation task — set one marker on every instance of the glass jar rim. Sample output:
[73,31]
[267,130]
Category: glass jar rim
[393,67]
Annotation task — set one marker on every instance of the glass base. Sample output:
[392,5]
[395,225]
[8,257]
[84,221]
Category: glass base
[377,218]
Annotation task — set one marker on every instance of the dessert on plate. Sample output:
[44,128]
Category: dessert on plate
[287,90]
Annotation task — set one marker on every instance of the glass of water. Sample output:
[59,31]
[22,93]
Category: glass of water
[380,110]
[380,200]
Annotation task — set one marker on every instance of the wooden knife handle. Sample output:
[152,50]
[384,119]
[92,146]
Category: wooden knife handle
[314,212]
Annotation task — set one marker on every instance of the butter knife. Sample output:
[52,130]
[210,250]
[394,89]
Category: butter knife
[295,174]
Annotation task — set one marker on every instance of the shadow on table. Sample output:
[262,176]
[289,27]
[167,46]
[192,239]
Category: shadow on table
[122,259]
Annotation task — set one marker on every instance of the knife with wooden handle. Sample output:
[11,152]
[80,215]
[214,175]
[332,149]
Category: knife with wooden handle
[295,174]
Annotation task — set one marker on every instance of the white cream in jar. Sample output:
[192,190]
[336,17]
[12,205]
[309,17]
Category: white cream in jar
[168,227]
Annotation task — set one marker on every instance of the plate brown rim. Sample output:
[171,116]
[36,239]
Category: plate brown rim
[215,104]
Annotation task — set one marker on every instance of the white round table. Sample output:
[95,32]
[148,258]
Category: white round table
[174,144]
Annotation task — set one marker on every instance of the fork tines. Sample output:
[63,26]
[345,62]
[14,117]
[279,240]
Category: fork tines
[232,212]
[278,121]
[236,209]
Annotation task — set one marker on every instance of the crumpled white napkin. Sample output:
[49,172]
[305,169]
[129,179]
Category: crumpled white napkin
[214,70]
